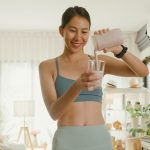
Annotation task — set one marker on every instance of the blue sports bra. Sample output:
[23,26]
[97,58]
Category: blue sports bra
[62,84]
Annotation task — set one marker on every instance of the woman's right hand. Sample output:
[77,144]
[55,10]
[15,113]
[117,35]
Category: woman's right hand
[108,42]
[88,80]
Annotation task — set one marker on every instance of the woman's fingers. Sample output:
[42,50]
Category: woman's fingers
[101,31]
[91,84]
[90,79]
[90,76]
[96,32]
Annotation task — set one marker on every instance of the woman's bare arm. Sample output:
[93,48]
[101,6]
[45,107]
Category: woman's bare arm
[58,106]
[130,66]
[55,106]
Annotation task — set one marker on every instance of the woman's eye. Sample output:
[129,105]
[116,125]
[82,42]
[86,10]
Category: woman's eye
[84,32]
[72,30]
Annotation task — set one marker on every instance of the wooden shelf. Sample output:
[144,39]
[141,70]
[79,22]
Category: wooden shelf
[125,90]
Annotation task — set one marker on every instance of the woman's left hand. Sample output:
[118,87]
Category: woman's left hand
[115,50]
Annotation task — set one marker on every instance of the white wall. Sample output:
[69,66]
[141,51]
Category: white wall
[129,15]
[145,53]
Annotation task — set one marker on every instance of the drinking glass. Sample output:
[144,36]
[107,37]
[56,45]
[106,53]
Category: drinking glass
[97,66]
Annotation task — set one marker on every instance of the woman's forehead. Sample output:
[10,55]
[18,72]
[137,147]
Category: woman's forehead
[79,22]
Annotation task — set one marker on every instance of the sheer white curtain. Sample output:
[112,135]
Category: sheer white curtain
[20,54]
[29,45]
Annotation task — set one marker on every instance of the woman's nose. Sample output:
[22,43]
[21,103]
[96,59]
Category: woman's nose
[78,36]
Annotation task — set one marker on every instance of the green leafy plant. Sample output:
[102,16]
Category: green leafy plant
[148,131]
[145,113]
[133,112]
[148,125]
[148,128]
[133,131]
[139,111]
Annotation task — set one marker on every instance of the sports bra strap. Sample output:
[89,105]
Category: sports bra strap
[57,65]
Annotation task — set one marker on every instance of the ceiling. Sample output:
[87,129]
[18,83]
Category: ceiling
[129,15]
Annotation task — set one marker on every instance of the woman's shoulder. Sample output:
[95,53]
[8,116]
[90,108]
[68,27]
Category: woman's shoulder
[47,62]
[48,65]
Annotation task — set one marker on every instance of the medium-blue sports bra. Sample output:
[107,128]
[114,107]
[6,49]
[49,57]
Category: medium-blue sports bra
[62,84]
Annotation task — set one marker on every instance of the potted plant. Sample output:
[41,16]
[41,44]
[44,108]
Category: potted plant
[140,132]
[137,132]
[145,113]
[134,114]
[138,111]
[132,131]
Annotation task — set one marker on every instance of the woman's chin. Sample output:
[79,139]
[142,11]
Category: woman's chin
[76,49]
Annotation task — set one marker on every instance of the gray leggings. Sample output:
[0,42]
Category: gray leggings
[82,138]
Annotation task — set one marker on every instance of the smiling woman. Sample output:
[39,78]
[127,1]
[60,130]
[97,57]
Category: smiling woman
[76,30]
[21,47]
[65,81]
[79,120]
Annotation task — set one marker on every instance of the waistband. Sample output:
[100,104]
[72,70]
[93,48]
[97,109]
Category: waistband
[92,137]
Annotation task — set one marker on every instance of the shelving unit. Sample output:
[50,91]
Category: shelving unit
[114,109]
[125,90]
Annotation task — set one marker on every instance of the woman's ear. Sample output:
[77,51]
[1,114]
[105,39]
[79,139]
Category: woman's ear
[61,31]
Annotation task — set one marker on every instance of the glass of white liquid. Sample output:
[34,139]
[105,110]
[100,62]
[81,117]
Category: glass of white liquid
[97,66]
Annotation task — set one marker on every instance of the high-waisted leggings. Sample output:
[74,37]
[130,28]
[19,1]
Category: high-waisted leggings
[95,137]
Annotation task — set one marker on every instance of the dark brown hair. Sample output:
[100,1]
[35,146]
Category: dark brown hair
[72,12]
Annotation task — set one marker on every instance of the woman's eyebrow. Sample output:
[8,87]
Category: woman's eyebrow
[76,28]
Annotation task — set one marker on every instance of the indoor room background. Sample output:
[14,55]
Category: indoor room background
[29,34]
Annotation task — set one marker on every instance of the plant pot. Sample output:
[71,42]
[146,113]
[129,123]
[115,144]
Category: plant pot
[143,122]
[134,122]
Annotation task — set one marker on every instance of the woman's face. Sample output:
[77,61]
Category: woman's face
[76,34]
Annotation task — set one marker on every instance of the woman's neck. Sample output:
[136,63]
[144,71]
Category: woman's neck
[72,57]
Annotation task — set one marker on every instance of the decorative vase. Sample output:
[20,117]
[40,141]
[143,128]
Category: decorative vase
[35,142]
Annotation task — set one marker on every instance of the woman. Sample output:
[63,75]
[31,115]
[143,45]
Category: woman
[65,80]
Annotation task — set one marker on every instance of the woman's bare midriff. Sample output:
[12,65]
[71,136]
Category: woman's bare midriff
[82,114]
